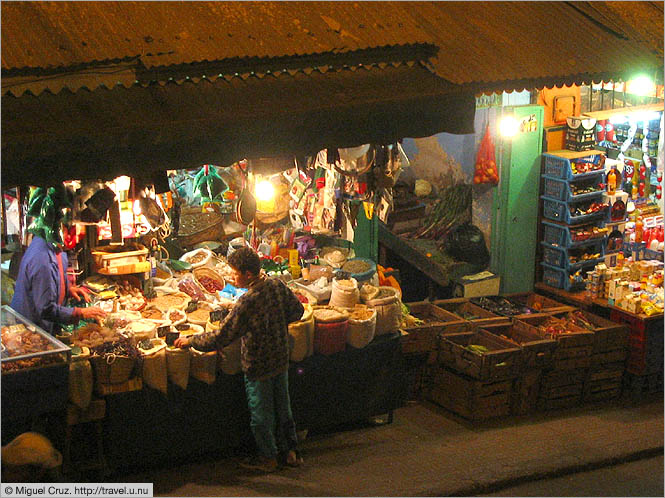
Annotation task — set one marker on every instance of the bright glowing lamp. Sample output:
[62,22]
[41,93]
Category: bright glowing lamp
[508,126]
[642,86]
[122,183]
[265,196]
[137,207]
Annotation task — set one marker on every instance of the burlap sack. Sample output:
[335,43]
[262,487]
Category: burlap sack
[228,359]
[361,330]
[344,293]
[80,381]
[154,366]
[203,366]
[388,310]
[301,336]
[177,366]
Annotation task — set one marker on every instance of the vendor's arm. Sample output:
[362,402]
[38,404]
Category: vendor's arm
[228,331]
[45,295]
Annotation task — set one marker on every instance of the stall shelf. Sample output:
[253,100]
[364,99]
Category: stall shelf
[438,267]
[35,376]
[352,385]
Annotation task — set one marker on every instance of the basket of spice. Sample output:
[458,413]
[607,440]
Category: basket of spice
[209,279]
[362,269]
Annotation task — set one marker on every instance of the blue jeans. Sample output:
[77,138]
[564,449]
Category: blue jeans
[271,419]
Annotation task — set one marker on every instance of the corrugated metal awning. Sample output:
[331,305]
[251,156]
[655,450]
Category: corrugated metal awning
[137,131]
[484,45]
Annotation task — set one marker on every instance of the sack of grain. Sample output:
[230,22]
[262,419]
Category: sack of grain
[154,366]
[228,359]
[80,380]
[203,366]
[362,326]
[301,335]
[344,293]
[177,366]
[388,306]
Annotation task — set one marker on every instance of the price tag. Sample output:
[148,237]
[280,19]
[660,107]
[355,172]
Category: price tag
[161,331]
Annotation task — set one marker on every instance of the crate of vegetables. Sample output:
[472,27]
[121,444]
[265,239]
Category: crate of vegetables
[480,355]
[537,352]
[422,323]
[608,336]
[574,344]
[470,312]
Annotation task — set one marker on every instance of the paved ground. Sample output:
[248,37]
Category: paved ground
[427,451]
[640,478]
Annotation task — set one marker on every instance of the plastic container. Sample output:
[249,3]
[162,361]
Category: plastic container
[559,167]
[560,256]
[558,211]
[362,276]
[563,236]
[560,277]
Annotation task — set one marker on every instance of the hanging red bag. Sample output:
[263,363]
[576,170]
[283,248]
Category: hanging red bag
[486,171]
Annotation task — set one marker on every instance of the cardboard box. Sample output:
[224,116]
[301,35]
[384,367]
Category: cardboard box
[477,285]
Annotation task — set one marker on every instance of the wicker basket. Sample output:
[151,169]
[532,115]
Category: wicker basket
[210,273]
[211,228]
[112,369]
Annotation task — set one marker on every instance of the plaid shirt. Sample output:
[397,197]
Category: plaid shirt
[260,318]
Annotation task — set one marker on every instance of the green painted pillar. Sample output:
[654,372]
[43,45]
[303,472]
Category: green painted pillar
[366,235]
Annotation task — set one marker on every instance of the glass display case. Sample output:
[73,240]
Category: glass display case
[35,367]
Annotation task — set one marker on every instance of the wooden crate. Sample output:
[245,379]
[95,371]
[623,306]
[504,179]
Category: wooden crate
[604,383]
[537,352]
[599,359]
[502,361]
[470,398]
[470,312]
[558,378]
[547,404]
[576,337]
[439,321]
[526,389]
[608,336]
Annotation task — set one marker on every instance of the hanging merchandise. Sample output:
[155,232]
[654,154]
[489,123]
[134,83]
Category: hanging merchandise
[486,171]
[209,185]
[47,206]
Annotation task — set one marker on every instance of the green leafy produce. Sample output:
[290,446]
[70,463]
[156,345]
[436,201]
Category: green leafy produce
[477,348]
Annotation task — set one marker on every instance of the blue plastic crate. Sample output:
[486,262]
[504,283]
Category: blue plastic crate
[640,250]
[560,256]
[559,167]
[560,278]
[558,211]
[561,235]
[561,190]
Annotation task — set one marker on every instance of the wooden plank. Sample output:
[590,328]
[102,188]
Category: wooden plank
[623,111]
[573,154]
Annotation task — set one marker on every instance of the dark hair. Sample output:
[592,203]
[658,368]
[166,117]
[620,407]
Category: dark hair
[245,259]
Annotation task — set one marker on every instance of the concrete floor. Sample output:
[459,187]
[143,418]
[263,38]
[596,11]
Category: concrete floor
[427,451]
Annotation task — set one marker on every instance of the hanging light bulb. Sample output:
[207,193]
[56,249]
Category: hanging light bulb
[265,196]
[508,126]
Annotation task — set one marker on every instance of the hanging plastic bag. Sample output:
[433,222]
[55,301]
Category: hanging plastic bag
[486,171]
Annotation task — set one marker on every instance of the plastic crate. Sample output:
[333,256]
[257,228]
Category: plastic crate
[558,189]
[559,277]
[561,235]
[558,211]
[559,167]
[560,256]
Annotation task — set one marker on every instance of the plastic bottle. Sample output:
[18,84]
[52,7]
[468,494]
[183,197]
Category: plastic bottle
[611,182]
[639,227]
[620,259]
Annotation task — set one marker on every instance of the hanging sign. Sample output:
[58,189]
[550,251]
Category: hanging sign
[529,124]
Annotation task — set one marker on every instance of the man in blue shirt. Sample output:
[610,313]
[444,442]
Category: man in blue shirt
[41,288]
[41,284]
